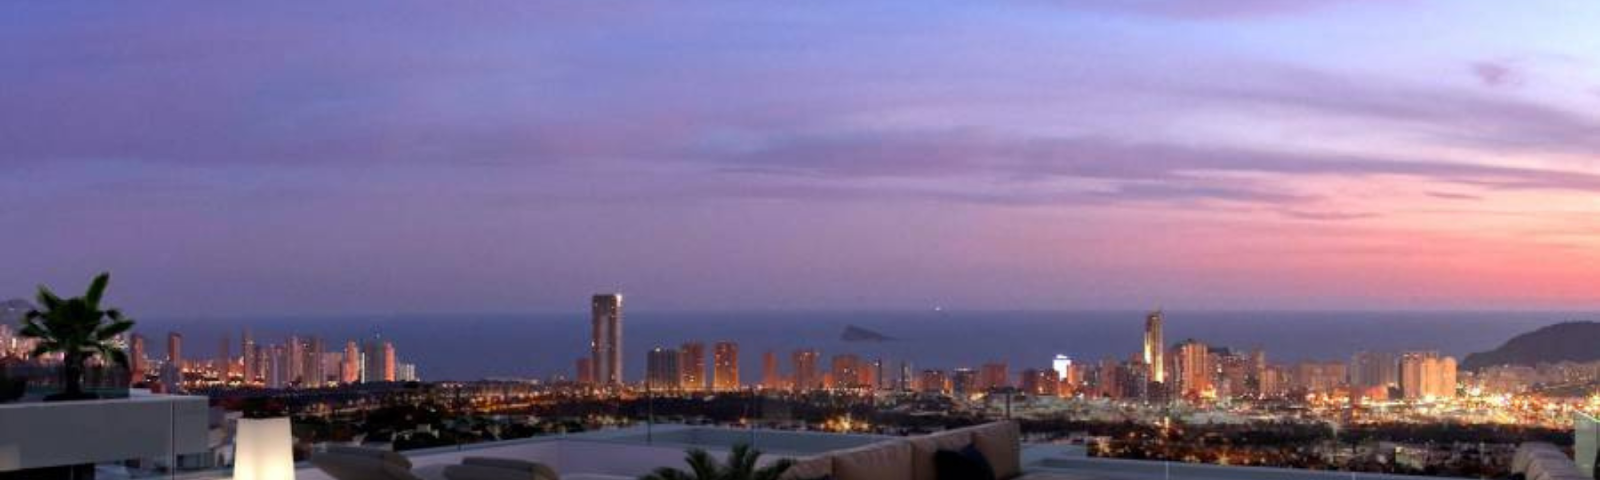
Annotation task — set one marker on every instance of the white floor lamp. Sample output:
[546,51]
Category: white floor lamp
[263,450]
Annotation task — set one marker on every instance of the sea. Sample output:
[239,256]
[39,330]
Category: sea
[544,345]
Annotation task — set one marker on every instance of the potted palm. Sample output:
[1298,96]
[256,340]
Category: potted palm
[79,329]
[741,465]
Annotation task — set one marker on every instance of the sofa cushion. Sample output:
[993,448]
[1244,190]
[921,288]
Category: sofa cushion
[964,464]
[810,468]
[1001,444]
[889,460]
[377,454]
[924,447]
[360,467]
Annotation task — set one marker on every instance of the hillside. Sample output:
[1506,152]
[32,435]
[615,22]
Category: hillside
[1571,341]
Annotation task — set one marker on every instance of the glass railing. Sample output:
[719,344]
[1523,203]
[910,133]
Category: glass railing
[132,437]
[1586,442]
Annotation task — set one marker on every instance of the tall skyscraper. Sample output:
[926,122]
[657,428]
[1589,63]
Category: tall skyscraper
[606,343]
[138,360]
[314,375]
[846,371]
[350,367]
[390,363]
[770,378]
[378,361]
[1427,376]
[1194,370]
[725,367]
[247,349]
[1154,347]
[1061,364]
[805,370]
[224,360]
[994,375]
[692,365]
[175,350]
[662,371]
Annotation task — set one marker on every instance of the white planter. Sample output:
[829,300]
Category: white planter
[263,450]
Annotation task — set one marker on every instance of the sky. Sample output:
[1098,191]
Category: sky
[361,157]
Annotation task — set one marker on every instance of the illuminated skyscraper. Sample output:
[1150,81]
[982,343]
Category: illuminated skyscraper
[661,370]
[350,366]
[770,378]
[605,345]
[993,376]
[1427,376]
[377,361]
[314,375]
[1194,370]
[846,371]
[138,360]
[805,370]
[390,363]
[1154,347]
[1061,364]
[1040,382]
[725,371]
[251,361]
[692,365]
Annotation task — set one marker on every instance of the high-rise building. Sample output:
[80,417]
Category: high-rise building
[297,360]
[1192,368]
[175,350]
[1374,369]
[224,361]
[138,359]
[405,372]
[846,370]
[725,366]
[905,377]
[1154,347]
[585,371]
[377,361]
[1319,377]
[994,375]
[1061,364]
[1427,376]
[391,363]
[251,361]
[934,382]
[661,370]
[350,366]
[605,344]
[277,364]
[964,381]
[805,370]
[314,375]
[692,365]
[1040,382]
[770,378]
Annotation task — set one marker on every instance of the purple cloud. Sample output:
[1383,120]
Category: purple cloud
[1496,74]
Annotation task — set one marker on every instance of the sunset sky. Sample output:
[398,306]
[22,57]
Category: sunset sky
[417,157]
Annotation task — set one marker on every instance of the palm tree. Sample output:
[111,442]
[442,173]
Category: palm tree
[741,466]
[79,330]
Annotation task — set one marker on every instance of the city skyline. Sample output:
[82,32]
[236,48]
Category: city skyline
[1043,155]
